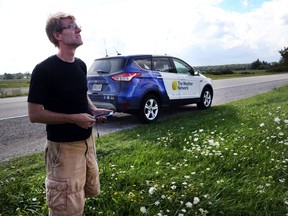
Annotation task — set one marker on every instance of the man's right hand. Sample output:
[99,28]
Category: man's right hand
[83,120]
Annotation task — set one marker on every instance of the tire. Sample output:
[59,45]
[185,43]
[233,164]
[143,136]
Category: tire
[150,109]
[206,99]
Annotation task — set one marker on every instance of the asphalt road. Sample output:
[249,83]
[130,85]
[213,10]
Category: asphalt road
[19,137]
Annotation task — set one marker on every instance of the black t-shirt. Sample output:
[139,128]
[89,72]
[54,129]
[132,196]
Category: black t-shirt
[61,87]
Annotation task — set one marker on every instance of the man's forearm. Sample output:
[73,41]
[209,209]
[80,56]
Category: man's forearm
[48,117]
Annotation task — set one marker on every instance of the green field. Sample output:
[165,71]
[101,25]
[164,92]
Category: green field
[228,160]
[240,73]
[13,88]
[14,83]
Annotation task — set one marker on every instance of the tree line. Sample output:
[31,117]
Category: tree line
[281,66]
[9,76]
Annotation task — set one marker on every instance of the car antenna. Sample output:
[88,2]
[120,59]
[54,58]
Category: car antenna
[117,51]
[105,48]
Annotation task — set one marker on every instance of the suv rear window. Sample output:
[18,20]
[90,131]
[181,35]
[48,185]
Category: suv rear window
[144,63]
[101,66]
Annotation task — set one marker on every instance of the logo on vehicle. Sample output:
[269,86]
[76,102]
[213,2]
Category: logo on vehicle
[175,85]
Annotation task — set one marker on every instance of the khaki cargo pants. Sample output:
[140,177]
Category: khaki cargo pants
[71,175]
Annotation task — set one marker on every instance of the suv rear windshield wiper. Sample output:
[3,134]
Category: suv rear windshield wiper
[102,72]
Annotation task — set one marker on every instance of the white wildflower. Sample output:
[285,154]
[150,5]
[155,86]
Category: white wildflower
[143,210]
[204,212]
[260,187]
[189,205]
[157,203]
[210,142]
[152,190]
[196,200]
[262,125]
[277,120]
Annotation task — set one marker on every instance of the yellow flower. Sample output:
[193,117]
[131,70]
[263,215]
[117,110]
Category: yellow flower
[131,195]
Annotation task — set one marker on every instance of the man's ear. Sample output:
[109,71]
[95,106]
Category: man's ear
[57,35]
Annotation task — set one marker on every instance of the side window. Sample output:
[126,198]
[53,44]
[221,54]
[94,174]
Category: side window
[182,67]
[144,63]
[162,64]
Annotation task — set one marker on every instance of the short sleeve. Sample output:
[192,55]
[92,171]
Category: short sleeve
[38,86]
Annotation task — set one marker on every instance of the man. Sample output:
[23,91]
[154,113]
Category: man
[58,98]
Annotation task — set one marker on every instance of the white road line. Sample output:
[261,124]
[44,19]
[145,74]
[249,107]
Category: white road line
[13,117]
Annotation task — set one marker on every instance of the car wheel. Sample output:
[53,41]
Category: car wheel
[150,109]
[206,99]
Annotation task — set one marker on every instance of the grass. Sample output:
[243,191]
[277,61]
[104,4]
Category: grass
[239,74]
[15,83]
[228,160]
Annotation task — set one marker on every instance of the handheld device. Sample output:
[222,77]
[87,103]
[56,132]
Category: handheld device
[106,114]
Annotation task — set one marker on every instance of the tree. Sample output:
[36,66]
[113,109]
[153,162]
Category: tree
[256,64]
[284,56]
[8,76]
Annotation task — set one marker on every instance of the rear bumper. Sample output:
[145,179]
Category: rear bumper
[118,104]
[104,105]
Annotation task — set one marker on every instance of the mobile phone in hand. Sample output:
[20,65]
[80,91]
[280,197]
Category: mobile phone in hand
[106,114]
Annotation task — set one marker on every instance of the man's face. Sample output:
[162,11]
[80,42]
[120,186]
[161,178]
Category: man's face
[70,33]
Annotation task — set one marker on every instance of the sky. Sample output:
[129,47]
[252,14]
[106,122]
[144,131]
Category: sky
[201,32]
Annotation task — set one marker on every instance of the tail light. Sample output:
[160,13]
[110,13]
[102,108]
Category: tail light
[126,77]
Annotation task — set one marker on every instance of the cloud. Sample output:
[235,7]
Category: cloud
[201,32]
[245,3]
[201,27]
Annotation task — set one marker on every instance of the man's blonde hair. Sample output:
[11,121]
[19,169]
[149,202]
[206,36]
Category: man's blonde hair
[54,25]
